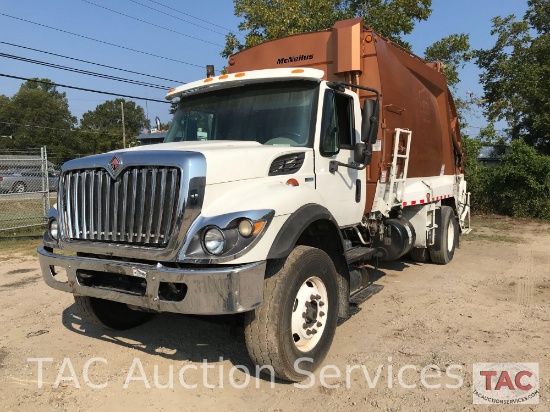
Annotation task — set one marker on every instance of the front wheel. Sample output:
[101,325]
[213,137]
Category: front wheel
[113,315]
[293,330]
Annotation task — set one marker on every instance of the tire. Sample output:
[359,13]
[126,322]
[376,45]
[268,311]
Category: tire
[19,187]
[300,297]
[420,254]
[447,235]
[113,315]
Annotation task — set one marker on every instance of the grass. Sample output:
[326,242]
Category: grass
[24,241]
[17,212]
[491,238]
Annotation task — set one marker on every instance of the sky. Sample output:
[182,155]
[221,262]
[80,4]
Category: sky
[188,34]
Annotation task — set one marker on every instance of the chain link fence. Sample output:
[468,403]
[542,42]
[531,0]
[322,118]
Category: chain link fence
[28,187]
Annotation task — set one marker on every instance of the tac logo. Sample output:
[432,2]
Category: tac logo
[506,383]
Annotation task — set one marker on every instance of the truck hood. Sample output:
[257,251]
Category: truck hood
[228,161]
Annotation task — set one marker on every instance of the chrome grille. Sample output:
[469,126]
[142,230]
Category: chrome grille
[139,207]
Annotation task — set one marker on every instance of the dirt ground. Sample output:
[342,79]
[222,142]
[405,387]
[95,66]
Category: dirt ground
[491,304]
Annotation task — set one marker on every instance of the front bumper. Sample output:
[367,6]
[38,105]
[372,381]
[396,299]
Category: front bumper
[209,291]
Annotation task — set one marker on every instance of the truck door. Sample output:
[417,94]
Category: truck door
[341,190]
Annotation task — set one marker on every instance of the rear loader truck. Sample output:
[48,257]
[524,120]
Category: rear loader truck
[278,183]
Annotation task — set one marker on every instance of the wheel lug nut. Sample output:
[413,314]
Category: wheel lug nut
[304,315]
[319,324]
[313,297]
[318,297]
[321,303]
[321,314]
[314,331]
[304,325]
[308,304]
[308,332]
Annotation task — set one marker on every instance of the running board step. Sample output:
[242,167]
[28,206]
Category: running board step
[357,253]
[364,294]
[360,297]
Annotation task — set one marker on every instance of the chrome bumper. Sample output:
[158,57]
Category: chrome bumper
[223,290]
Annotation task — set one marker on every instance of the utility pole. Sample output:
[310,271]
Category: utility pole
[123,126]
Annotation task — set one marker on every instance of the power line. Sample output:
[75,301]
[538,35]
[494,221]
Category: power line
[86,72]
[58,129]
[187,14]
[178,18]
[89,62]
[151,24]
[100,41]
[83,89]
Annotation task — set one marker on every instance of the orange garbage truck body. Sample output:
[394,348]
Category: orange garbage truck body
[413,94]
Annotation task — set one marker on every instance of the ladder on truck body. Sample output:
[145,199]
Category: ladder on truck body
[396,188]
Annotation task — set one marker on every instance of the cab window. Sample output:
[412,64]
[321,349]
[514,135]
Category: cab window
[337,125]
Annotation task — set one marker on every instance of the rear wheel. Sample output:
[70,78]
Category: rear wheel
[113,315]
[293,330]
[447,234]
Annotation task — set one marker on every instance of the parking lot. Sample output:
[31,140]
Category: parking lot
[491,304]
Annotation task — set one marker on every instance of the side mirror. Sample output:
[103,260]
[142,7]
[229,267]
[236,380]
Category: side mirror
[359,153]
[370,115]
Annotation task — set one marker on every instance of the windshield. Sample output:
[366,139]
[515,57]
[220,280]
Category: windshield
[278,114]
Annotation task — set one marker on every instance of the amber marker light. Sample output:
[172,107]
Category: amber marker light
[223,76]
[171,90]
[292,182]
[208,80]
[240,74]
[297,71]
[368,38]
[258,226]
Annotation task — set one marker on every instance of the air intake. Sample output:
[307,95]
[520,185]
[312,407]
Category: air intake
[287,164]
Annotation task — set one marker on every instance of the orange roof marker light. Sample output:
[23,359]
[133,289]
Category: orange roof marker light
[268,74]
[298,71]
[172,90]
[368,38]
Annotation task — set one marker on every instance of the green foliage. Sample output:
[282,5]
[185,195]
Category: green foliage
[520,187]
[37,115]
[516,74]
[477,176]
[453,51]
[272,19]
[105,123]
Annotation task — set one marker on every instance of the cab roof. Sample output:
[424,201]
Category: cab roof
[246,77]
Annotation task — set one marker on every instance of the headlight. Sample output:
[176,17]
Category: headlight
[246,228]
[54,233]
[213,241]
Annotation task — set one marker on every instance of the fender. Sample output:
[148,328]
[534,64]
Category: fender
[295,225]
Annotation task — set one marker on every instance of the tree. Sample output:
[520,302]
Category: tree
[103,125]
[37,115]
[272,19]
[516,75]
[453,51]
